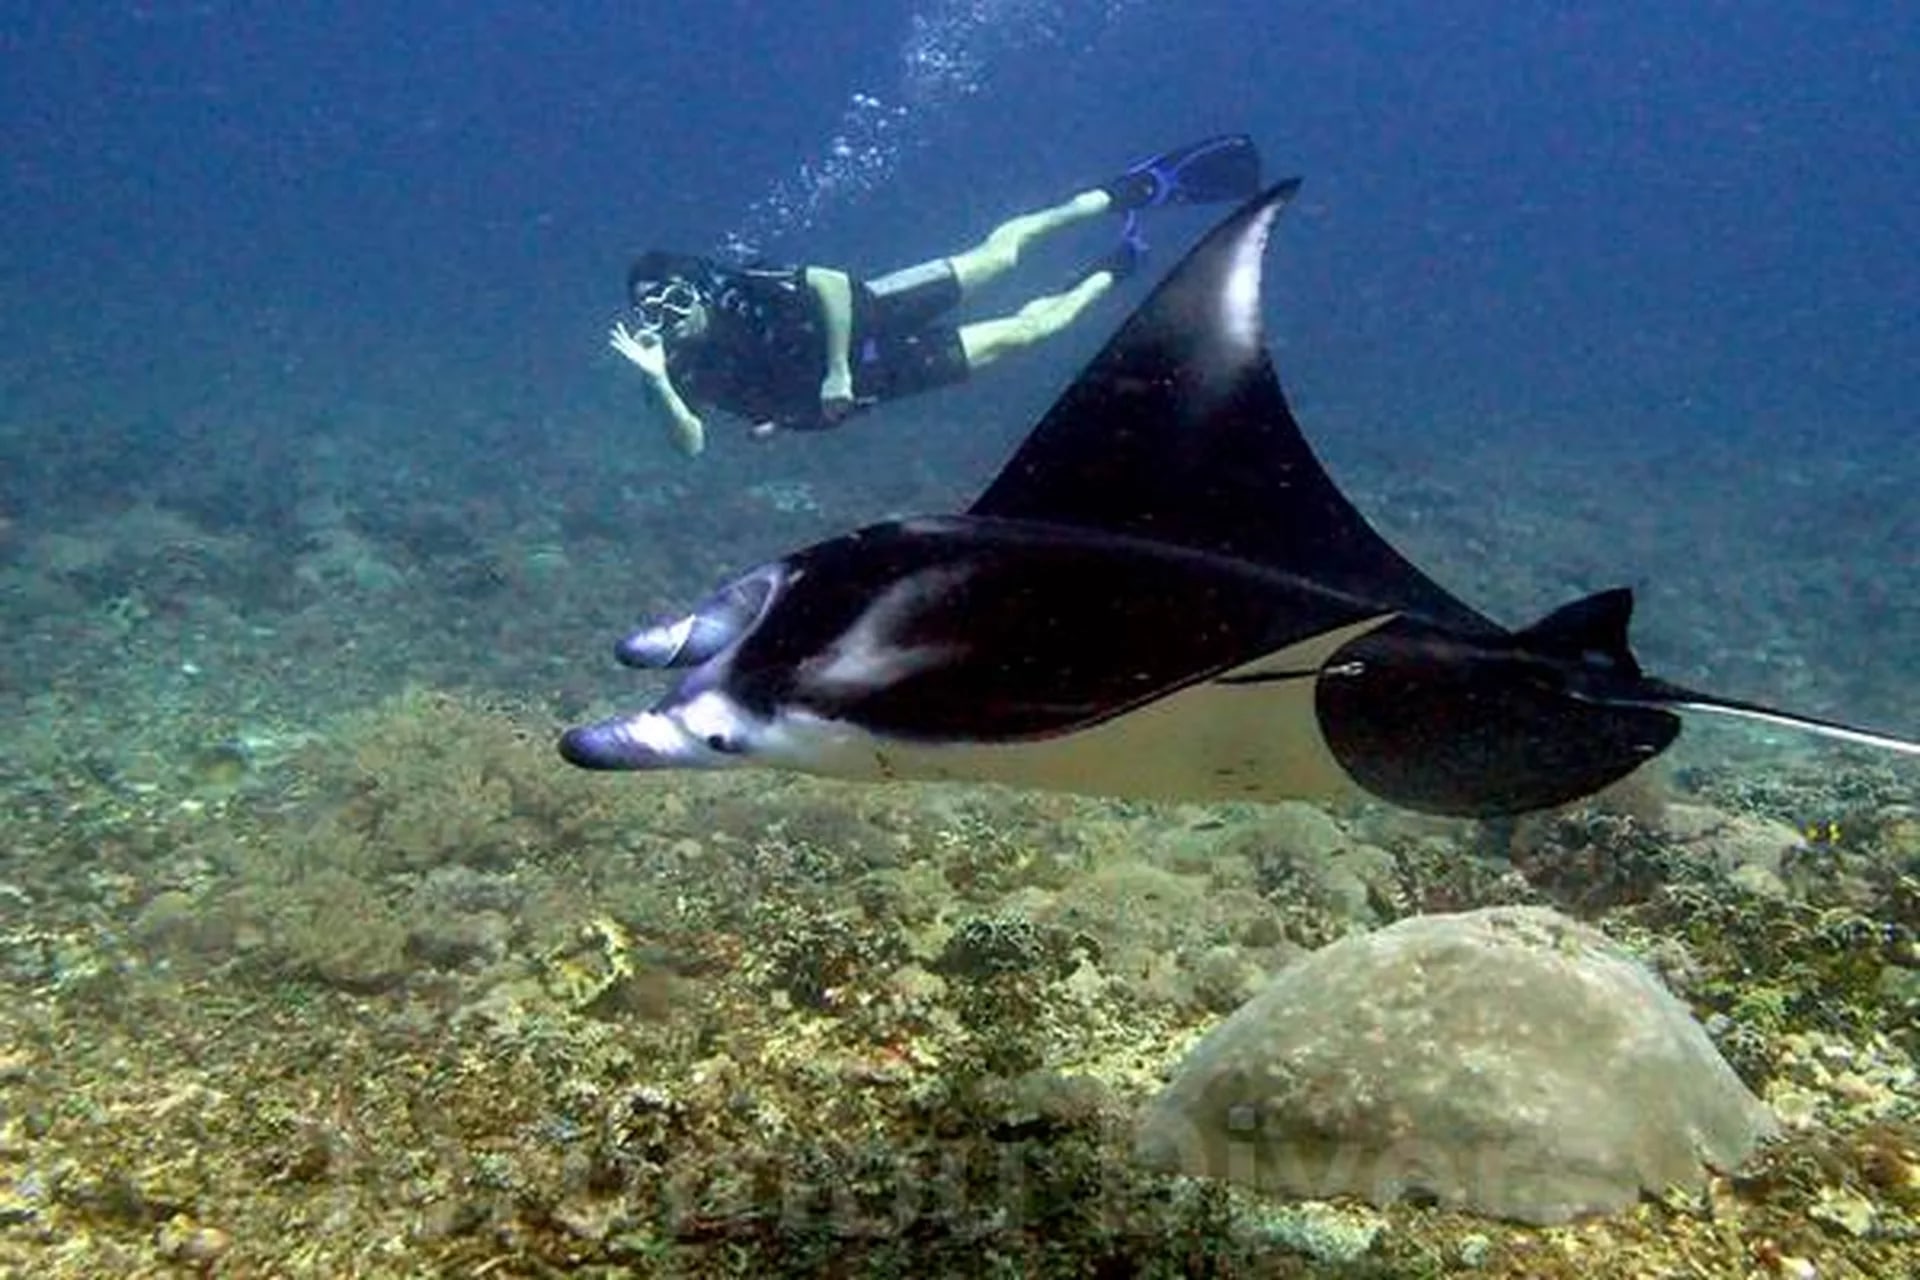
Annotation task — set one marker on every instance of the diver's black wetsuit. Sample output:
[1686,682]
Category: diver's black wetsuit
[763,353]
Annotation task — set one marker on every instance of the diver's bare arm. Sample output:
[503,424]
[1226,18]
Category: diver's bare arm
[649,356]
[835,293]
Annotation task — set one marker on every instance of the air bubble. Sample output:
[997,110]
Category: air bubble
[951,50]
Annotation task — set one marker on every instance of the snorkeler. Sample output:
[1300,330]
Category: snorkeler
[804,348]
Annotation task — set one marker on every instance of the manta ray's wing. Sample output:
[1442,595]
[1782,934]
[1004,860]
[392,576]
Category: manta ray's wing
[1179,432]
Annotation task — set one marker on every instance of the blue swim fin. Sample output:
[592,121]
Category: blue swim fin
[1211,171]
[1125,257]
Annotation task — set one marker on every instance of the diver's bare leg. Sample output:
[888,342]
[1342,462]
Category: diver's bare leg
[1000,252]
[985,341]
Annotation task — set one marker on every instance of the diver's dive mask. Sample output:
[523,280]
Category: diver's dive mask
[663,308]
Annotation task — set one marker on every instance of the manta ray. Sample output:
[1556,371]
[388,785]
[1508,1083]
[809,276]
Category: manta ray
[1162,595]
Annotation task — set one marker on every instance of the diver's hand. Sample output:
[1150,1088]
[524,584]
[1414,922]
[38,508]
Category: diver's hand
[642,348]
[649,354]
[837,400]
[832,414]
[836,394]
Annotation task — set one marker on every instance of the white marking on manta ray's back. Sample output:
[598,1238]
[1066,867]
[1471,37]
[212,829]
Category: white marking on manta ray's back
[1214,740]
[873,653]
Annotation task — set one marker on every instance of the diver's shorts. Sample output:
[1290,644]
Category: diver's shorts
[910,298]
[897,349]
[887,366]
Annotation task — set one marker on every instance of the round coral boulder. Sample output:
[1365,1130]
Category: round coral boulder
[1511,1062]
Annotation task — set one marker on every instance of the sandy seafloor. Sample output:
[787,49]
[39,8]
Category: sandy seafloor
[314,961]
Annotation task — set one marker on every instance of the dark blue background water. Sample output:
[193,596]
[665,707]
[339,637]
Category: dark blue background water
[1668,253]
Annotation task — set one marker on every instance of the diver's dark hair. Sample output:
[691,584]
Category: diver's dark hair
[656,266]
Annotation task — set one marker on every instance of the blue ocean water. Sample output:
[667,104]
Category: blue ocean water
[306,401]
[1657,262]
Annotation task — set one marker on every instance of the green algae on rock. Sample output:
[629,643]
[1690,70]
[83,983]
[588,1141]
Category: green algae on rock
[1510,1062]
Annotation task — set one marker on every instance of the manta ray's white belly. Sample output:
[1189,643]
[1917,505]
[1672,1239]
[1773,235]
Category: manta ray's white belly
[1216,740]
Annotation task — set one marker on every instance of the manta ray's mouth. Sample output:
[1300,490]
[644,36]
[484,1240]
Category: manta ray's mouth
[638,743]
[707,731]
[619,744]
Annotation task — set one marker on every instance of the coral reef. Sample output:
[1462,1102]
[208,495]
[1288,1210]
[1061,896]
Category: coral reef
[302,973]
[401,997]
[1510,1061]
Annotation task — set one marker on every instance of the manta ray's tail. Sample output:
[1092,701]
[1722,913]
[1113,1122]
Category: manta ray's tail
[1592,633]
[1683,699]
[1484,726]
